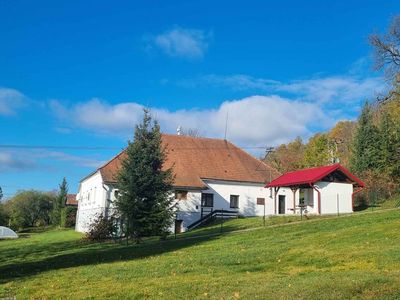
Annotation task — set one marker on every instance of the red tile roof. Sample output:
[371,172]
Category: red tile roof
[71,200]
[312,175]
[194,159]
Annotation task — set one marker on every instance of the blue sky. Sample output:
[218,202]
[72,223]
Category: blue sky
[78,73]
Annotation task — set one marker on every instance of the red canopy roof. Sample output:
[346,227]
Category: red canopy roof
[312,175]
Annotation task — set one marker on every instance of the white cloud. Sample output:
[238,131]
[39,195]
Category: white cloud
[239,82]
[340,89]
[253,121]
[79,161]
[10,101]
[11,162]
[180,42]
[23,160]
[346,89]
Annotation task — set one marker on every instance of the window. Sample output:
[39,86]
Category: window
[260,201]
[181,195]
[207,200]
[234,201]
[116,193]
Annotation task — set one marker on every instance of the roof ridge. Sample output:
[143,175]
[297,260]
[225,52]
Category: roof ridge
[193,137]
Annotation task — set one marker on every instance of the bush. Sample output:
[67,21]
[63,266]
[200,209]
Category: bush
[378,188]
[101,229]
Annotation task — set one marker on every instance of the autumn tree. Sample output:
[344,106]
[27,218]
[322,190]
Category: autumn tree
[288,157]
[341,138]
[317,151]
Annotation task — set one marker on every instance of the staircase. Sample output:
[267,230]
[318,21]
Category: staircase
[218,213]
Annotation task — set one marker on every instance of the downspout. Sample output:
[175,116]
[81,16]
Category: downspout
[276,189]
[294,190]
[353,194]
[319,197]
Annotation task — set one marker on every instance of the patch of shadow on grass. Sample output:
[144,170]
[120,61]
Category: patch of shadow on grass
[92,254]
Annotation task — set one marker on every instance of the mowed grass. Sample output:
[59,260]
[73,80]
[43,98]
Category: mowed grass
[354,256]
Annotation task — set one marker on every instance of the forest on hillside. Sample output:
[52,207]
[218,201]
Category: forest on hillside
[368,146]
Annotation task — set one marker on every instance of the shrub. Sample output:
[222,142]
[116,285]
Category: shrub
[101,229]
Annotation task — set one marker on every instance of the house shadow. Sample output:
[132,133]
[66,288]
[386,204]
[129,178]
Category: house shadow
[87,254]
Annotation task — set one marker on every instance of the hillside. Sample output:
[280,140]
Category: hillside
[350,256]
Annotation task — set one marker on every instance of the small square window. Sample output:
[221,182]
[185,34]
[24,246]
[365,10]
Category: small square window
[207,200]
[181,195]
[116,194]
[234,201]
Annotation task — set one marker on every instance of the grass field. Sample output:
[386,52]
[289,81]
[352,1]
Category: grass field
[354,256]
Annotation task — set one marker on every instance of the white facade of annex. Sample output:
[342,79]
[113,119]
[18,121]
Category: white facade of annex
[96,197]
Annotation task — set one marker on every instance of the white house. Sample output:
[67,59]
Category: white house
[210,175]
[321,190]
[213,175]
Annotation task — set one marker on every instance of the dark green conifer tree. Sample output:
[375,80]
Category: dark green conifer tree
[366,146]
[144,201]
[57,216]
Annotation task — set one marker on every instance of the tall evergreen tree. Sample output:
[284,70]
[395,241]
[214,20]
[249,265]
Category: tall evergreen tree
[59,203]
[366,143]
[144,200]
[387,133]
[1,193]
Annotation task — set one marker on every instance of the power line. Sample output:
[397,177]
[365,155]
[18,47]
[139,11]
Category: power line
[35,147]
[11,146]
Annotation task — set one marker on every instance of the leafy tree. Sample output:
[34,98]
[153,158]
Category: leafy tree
[288,157]
[341,138]
[30,208]
[58,216]
[366,143]
[144,200]
[387,50]
[317,151]
[4,216]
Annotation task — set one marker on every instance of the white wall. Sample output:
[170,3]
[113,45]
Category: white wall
[248,194]
[335,196]
[91,201]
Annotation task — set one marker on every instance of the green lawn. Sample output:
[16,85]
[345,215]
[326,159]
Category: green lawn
[354,256]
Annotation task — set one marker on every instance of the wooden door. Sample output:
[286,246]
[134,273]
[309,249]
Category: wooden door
[281,205]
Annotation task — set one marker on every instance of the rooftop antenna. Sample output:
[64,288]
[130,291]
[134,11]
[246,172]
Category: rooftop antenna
[226,124]
[179,130]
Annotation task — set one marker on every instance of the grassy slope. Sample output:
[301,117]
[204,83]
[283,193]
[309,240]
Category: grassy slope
[356,256]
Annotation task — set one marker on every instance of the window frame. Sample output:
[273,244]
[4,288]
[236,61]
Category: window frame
[204,199]
[236,199]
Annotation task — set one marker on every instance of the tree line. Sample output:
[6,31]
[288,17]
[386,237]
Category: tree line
[32,208]
[368,146]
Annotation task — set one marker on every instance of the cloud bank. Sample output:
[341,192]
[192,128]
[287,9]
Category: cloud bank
[253,121]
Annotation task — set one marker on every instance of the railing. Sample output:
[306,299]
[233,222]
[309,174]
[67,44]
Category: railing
[218,213]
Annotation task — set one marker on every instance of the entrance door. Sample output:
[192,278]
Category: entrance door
[281,205]
[178,226]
